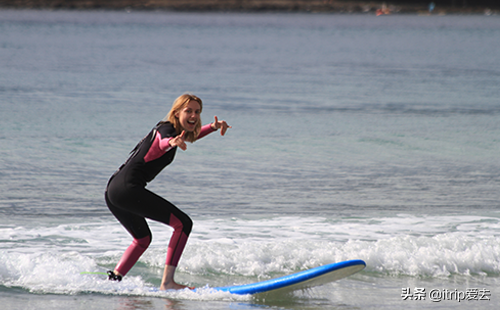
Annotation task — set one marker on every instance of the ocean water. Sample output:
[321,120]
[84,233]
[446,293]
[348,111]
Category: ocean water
[354,137]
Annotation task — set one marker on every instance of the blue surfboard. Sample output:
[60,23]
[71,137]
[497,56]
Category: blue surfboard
[300,280]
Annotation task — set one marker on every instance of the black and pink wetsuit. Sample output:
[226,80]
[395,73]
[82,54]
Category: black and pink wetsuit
[130,202]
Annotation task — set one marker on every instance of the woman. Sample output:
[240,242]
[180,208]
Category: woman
[129,200]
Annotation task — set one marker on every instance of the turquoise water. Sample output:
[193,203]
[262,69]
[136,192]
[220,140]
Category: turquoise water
[354,137]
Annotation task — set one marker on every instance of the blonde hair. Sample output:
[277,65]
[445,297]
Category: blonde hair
[180,103]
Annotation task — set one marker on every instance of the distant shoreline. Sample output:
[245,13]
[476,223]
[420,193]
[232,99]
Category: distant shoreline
[312,6]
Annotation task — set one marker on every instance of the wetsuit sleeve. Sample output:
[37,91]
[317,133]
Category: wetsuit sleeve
[160,143]
[163,136]
[159,147]
[164,143]
[205,130]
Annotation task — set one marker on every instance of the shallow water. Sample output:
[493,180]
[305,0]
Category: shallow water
[354,137]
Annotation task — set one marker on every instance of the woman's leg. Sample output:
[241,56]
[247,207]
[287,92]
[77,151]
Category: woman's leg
[182,225]
[139,229]
[140,204]
[131,255]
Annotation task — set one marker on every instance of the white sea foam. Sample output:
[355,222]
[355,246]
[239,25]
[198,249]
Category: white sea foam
[49,259]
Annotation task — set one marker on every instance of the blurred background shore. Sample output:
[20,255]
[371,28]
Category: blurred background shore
[488,7]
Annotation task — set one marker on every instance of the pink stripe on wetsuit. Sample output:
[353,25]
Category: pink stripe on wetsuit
[159,147]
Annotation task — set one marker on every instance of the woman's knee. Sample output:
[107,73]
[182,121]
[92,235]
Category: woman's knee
[143,242]
[181,222]
[188,225]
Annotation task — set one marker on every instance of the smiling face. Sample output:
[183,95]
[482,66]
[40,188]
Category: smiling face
[189,116]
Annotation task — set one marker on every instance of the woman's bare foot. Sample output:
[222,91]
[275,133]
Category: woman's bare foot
[173,286]
[168,283]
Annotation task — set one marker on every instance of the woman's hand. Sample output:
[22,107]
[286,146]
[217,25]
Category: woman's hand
[220,124]
[179,141]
